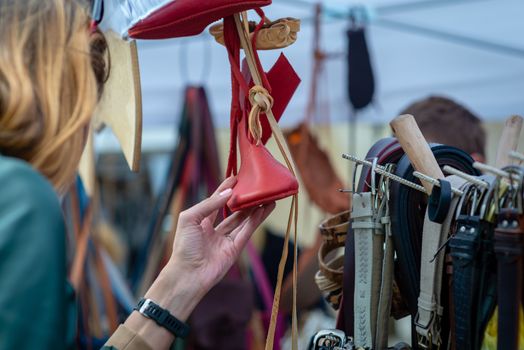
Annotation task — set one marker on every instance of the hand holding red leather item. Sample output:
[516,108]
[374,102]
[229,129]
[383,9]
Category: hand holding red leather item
[180,18]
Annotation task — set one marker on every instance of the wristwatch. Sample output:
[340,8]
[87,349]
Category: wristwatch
[162,317]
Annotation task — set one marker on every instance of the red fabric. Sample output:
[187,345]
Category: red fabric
[181,18]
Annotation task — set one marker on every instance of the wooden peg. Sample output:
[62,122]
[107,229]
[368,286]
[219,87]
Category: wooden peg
[414,144]
[509,141]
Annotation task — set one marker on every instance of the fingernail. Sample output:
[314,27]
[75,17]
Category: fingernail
[225,192]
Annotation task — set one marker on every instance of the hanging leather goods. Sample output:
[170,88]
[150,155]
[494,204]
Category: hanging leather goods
[368,209]
[509,248]
[386,151]
[439,202]
[236,35]
[361,81]
[466,245]
[329,278]
[430,308]
[272,35]
[316,171]
[163,19]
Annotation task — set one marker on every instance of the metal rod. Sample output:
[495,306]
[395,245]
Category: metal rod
[435,182]
[469,178]
[496,171]
[516,155]
[381,170]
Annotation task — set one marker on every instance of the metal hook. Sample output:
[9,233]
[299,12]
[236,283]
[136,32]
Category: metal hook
[495,171]
[435,182]
[379,169]
[516,155]
[469,178]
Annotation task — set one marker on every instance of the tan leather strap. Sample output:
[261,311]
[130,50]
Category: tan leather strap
[105,284]
[293,214]
[335,228]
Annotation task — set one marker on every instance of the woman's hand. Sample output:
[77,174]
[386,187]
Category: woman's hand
[202,255]
[203,252]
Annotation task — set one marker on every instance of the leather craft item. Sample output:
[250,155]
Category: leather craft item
[361,81]
[369,240]
[430,306]
[439,202]
[261,178]
[465,249]
[330,274]
[316,171]
[408,207]
[509,247]
[180,18]
[272,35]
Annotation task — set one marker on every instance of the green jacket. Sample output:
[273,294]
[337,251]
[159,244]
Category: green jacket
[37,304]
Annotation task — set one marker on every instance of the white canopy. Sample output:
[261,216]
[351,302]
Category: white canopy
[472,51]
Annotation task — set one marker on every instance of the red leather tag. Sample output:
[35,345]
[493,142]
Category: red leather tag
[180,18]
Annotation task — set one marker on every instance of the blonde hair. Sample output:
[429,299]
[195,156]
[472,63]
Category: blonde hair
[48,89]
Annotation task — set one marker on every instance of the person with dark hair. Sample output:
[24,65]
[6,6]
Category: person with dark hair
[444,121]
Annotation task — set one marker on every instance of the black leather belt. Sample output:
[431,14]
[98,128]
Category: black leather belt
[509,247]
[465,246]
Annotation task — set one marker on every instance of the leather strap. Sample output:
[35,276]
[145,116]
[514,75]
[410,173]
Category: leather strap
[439,201]
[465,249]
[430,310]
[334,229]
[369,240]
[386,284]
[509,247]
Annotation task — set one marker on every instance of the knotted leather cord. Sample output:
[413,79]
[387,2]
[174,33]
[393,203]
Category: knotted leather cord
[261,101]
[254,66]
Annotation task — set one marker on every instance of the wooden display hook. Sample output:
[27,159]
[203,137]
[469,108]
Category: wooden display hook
[416,147]
[509,141]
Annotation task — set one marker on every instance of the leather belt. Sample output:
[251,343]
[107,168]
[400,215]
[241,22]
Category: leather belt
[369,240]
[509,247]
[407,212]
[466,250]
[430,309]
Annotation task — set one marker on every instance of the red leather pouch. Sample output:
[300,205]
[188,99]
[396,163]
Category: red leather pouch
[180,18]
[261,178]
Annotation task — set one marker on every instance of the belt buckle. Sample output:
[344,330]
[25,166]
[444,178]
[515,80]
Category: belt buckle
[425,342]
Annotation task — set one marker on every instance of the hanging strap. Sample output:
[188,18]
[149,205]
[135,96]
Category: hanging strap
[430,310]
[369,240]
[509,247]
[259,94]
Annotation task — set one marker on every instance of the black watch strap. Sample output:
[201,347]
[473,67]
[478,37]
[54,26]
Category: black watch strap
[162,317]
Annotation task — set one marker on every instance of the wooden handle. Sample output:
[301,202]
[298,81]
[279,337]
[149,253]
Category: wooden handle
[509,140]
[414,144]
